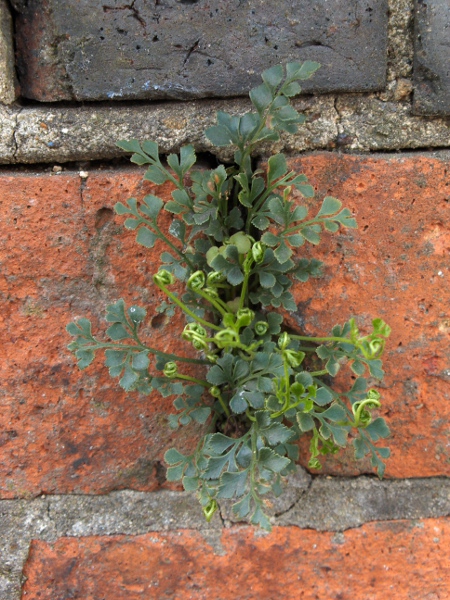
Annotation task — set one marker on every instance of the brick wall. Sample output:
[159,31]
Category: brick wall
[84,508]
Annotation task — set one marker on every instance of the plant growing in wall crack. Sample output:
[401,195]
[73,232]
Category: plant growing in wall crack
[234,244]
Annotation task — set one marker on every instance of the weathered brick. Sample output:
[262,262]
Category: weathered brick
[90,132]
[86,50]
[359,123]
[402,558]
[8,121]
[7,84]
[432,58]
[372,124]
[64,256]
[395,266]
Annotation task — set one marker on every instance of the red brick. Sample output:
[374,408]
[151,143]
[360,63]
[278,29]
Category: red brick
[65,255]
[395,266]
[408,561]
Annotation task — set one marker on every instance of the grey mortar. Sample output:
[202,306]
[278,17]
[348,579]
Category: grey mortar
[322,503]
[7,70]
[350,122]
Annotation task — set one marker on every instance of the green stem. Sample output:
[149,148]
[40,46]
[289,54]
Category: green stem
[246,153]
[169,175]
[281,181]
[306,348]
[223,206]
[193,379]
[172,246]
[212,301]
[257,206]
[252,376]
[253,465]
[223,405]
[287,382]
[235,190]
[319,373]
[251,417]
[305,224]
[185,309]
[248,150]
[223,303]
[320,340]
[335,396]
[142,347]
[287,394]
[244,289]
[237,345]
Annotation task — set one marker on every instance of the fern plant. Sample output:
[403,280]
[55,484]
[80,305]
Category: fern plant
[234,243]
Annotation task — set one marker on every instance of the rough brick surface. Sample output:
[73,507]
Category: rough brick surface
[329,504]
[68,133]
[7,91]
[8,121]
[395,266]
[403,559]
[64,256]
[86,50]
[91,132]
[372,124]
[432,58]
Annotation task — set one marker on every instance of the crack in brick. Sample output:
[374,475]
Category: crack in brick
[311,43]
[220,515]
[14,135]
[303,493]
[192,49]
[135,12]
[338,119]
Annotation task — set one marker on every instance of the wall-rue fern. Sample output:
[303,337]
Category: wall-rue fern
[234,242]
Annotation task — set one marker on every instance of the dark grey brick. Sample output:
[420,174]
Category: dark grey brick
[432,58]
[181,49]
